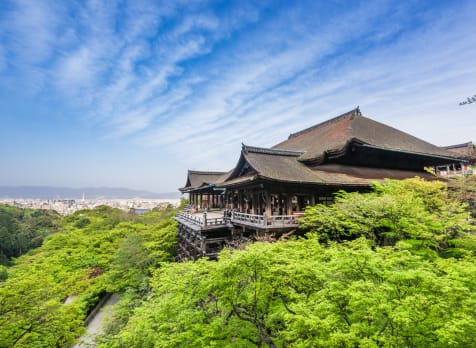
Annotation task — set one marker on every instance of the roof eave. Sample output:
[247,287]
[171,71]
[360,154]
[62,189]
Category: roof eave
[451,159]
[194,189]
[321,183]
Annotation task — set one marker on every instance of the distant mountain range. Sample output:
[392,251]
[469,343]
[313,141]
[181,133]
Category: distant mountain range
[47,192]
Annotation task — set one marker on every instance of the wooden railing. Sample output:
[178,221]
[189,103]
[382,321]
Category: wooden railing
[284,220]
[200,220]
[248,218]
[263,220]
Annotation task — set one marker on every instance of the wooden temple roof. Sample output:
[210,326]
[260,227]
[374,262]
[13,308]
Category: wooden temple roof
[466,151]
[333,137]
[316,155]
[276,165]
[197,179]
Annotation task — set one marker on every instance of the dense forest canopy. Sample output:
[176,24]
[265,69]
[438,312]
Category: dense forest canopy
[96,252]
[395,267]
[303,294]
[23,229]
[391,268]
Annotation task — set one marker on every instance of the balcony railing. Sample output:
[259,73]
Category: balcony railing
[263,220]
[200,220]
[284,220]
[255,220]
[248,218]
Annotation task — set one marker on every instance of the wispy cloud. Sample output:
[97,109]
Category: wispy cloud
[187,78]
[27,34]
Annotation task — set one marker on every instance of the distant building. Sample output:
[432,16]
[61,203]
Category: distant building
[466,151]
[269,188]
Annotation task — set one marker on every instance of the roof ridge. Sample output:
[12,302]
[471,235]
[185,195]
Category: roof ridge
[269,151]
[469,143]
[206,172]
[351,113]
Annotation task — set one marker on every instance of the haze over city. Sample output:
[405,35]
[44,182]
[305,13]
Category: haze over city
[134,93]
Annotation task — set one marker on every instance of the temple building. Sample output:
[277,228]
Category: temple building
[264,195]
[466,151]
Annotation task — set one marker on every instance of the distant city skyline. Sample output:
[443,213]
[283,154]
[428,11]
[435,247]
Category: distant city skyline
[133,93]
[51,192]
[69,206]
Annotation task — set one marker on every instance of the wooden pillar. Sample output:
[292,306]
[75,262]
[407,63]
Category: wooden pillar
[240,201]
[246,200]
[259,203]
[289,206]
[313,199]
[254,201]
[268,211]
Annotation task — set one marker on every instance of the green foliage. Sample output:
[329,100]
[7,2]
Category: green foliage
[415,212]
[23,229]
[3,273]
[183,202]
[463,188]
[113,252]
[302,294]
[378,281]
[395,267]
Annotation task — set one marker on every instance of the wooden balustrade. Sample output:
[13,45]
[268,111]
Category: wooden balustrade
[248,218]
[200,220]
[283,220]
[243,218]
[263,220]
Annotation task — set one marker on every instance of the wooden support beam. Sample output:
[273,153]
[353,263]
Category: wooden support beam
[240,201]
[268,211]
[254,203]
[289,206]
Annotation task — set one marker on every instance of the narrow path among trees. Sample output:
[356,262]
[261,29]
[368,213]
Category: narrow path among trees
[95,325]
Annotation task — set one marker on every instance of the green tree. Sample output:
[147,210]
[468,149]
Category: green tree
[304,294]
[23,229]
[463,189]
[81,262]
[417,213]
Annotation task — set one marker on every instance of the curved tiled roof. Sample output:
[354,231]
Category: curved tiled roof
[334,136]
[197,179]
[284,166]
[301,159]
[466,151]
[278,165]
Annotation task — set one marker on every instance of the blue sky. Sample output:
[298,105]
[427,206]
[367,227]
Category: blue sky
[133,93]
